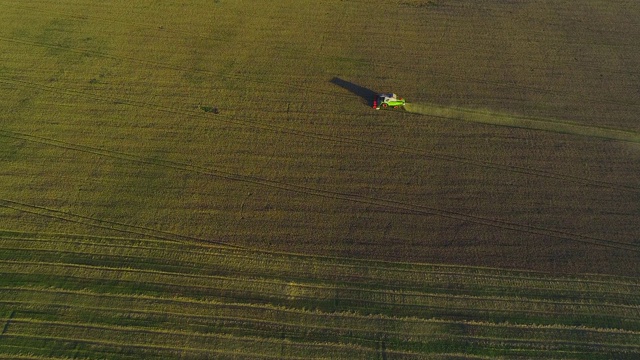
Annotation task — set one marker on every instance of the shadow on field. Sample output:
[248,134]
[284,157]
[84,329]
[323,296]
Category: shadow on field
[364,93]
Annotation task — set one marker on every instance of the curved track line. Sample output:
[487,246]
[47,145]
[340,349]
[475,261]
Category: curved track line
[104,224]
[325,137]
[309,191]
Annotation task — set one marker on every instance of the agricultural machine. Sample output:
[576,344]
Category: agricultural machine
[387,101]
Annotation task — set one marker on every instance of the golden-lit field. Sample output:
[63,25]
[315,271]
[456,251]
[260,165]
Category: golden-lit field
[243,130]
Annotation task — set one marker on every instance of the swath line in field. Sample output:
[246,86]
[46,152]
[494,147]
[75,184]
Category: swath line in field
[277,290]
[375,269]
[523,122]
[356,325]
[390,276]
[69,328]
[326,137]
[384,203]
[171,350]
[60,296]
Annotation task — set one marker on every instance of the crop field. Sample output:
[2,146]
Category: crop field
[207,178]
[108,297]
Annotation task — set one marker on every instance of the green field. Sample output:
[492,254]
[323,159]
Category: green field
[207,179]
[109,297]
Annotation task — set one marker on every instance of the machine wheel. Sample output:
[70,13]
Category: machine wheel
[384,105]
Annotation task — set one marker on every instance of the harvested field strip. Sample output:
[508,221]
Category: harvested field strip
[210,260]
[141,336]
[260,319]
[500,335]
[219,261]
[47,304]
[325,296]
[287,289]
[494,118]
[93,347]
[309,191]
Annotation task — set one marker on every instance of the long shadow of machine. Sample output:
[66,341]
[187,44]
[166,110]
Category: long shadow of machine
[364,93]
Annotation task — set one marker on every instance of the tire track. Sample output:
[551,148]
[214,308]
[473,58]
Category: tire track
[324,137]
[304,190]
[467,282]
[372,270]
[246,255]
[104,224]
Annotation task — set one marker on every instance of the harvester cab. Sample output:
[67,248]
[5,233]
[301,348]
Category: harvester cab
[387,101]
